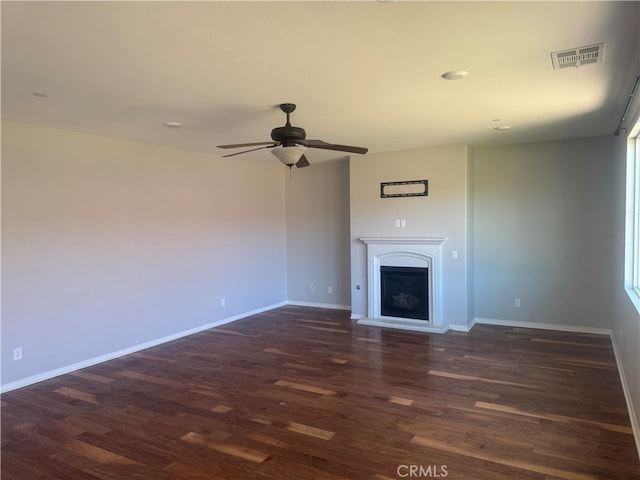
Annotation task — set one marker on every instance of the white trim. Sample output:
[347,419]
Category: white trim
[403,324]
[635,426]
[632,216]
[318,305]
[543,326]
[462,328]
[23,382]
[403,240]
[634,297]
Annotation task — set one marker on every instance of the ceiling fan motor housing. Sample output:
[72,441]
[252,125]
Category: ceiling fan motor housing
[288,135]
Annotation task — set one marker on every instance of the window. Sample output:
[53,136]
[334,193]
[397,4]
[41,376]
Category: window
[632,254]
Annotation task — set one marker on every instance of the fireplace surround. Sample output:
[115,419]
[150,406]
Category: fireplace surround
[409,252]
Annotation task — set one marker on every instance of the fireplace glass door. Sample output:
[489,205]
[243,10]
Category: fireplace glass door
[404,292]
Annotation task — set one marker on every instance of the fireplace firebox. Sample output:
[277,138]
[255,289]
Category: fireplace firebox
[404,292]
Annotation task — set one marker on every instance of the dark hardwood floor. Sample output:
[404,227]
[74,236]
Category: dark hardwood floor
[302,393]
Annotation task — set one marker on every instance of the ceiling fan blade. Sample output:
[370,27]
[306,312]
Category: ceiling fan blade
[303,162]
[332,146]
[247,151]
[238,145]
[313,143]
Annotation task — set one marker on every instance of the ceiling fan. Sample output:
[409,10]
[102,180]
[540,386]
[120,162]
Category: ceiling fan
[289,143]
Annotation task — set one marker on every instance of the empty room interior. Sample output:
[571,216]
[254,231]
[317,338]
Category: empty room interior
[324,240]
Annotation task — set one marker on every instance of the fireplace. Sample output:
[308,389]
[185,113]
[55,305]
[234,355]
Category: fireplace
[404,292]
[412,292]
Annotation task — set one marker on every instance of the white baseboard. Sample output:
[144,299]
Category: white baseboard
[23,382]
[542,326]
[318,305]
[462,328]
[635,426]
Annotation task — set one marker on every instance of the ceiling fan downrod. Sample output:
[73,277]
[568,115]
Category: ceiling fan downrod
[288,108]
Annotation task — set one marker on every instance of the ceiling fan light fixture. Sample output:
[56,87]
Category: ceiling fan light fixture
[289,156]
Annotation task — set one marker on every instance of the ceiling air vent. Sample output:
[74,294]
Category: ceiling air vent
[576,57]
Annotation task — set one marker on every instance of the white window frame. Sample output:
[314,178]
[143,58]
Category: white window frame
[632,250]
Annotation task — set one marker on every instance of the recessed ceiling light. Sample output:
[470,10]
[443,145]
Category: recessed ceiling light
[172,124]
[503,128]
[455,75]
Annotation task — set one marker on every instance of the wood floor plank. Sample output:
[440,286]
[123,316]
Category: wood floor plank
[77,394]
[401,401]
[520,465]
[97,454]
[280,352]
[458,376]
[311,431]
[305,388]
[228,448]
[556,418]
[90,376]
[301,392]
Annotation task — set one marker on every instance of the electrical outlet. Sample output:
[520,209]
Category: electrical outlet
[516,303]
[312,288]
[17,353]
[330,290]
[223,302]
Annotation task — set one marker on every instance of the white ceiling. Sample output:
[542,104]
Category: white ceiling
[362,73]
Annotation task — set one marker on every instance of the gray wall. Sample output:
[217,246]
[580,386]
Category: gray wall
[107,244]
[443,212]
[542,231]
[317,213]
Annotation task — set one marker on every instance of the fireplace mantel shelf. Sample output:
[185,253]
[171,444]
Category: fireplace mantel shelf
[403,240]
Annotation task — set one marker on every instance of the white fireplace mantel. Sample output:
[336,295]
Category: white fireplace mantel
[403,240]
[423,252]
